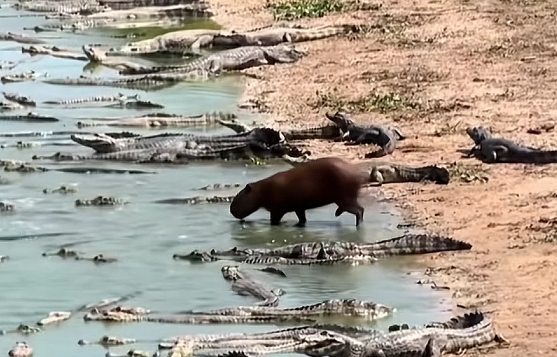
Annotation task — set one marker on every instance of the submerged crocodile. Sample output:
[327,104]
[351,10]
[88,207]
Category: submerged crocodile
[21,349]
[20,77]
[382,172]
[157,120]
[243,285]
[10,36]
[61,189]
[20,99]
[54,52]
[6,207]
[101,201]
[231,60]
[24,168]
[29,117]
[384,137]
[97,259]
[334,252]
[499,150]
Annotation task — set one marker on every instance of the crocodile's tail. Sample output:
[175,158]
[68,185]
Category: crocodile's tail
[460,322]
[539,157]
[415,244]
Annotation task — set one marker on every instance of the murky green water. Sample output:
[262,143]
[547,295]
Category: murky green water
[144,235]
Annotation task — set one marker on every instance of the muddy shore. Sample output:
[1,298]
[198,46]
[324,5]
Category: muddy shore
[432,69]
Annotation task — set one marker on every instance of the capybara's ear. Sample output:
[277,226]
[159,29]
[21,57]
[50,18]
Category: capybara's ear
[248,188]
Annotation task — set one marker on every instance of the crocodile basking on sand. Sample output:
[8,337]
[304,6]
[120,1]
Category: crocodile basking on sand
[157,120]
[381,172]
[231,60]
[384,137]
[499,150]
[320,253]
[243,285]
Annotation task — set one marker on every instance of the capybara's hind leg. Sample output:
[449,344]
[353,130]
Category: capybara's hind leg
[276,218]
[339,211]
[351,207]
[301,218]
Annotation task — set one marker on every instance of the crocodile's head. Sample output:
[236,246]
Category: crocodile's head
[478,134]
[195,256]
[341,119]
[247,201]
[230,272]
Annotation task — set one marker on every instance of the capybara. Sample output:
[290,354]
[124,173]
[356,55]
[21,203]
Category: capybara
[313,184]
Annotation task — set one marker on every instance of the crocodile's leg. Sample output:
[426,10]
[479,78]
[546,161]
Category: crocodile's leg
[495,152]
[376,177]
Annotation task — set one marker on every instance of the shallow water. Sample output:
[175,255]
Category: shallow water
[144,235]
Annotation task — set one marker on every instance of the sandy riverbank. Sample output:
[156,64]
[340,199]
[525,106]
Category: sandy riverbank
[467,63]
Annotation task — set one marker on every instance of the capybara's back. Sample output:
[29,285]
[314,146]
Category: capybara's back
[314,184]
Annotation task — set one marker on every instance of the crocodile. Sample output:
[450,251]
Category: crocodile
[384,137]
[30,117]
[157,120]
[61,189]
[181,11]
[21,349]
[33,144]
[381,172]
[107,341]
[147,82]
[54,52]
[97,259]
[232,60]
[330,307]
[106,303]
[198,318]
[500,150]
[63,253]
[196,200]
[133,353]
[130,4]
[20,77]
[97,56]
[101,201]
[102,143]
[136,104]
[243,285]
[54,317]
[6,207]
[219,186]
[4,258]
[9,105]
[83,9]
[10,36]
[20,99]
[403,245]
[24,168]
[98,99]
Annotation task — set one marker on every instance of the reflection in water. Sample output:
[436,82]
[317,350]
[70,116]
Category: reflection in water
[144,236]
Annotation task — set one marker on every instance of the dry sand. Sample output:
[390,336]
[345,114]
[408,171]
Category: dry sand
[468,63]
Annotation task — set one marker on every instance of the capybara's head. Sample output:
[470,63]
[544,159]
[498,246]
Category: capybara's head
[245,202]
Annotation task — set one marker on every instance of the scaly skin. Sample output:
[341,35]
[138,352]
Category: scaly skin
[30,117]
[384,137]
[136,104]
[333,307]
[98,99]
[101,201]
[20,99]
[243,285]
[381,172]
[21,349]
[130,4]
[19,77]
[219,186]
[402,245]
[499,150]
[232,60]
[156,121]
[196,200]
[102,143]
[61,189]
[168,13]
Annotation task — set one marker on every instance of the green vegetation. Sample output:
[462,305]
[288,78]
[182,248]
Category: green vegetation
[297,9]
[372,102]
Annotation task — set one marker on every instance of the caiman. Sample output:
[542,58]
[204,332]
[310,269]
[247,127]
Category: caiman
[10,36]
[21,349]
[130,4]
[55,317]
[198,9]
[30,117]
[20,99]
[384,137]
[499,150]
[232,60]
[97,99]
[20,77]
[6,207]
[381,172]
[62,189]
[161,120]
[219,186]
[4,258]
[243,285]
[196,200]
[97,259]
[101,201]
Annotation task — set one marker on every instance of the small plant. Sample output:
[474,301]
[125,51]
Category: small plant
[297,9]
[467,173]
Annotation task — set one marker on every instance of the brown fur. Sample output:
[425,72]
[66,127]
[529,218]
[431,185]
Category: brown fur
[311,185]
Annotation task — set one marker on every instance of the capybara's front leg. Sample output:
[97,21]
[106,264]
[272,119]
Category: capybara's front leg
[301,218]
[276,218]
